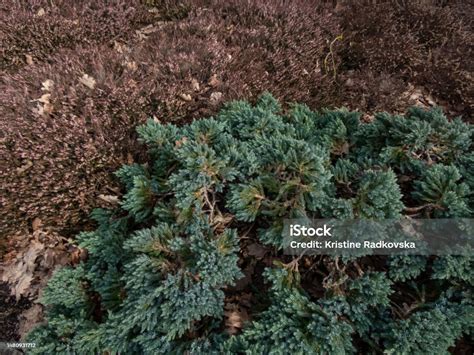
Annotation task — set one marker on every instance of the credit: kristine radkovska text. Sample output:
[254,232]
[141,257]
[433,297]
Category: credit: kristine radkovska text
[327,244]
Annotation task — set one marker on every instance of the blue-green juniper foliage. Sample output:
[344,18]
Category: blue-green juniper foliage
[160,267]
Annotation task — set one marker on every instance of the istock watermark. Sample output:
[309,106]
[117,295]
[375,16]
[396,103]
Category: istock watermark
[16,345]
[297,230]
[358,237]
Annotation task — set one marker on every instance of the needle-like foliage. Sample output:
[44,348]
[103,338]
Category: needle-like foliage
[160,266]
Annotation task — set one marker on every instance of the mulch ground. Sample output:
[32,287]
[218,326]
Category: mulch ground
[10,310]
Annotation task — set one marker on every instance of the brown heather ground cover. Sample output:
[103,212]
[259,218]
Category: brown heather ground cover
[77,77]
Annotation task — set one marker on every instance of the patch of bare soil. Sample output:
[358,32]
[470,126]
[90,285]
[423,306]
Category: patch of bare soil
[10,311]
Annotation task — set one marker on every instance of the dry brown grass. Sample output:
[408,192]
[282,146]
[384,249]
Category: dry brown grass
[62,139]
[424,43]
[181,60]
[41,28]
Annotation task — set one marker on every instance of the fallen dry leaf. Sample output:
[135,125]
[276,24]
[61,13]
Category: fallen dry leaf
[132,66]
[22,284]
[221,221]
[148,29]
[40,12]
[78,255]
[36,224]
[213,81]
[32,253]
[121,48]
[143,32]
[24,167]
[215,97]
[45,98]
[256,250]
[109,198]
[130,159]
[47,85]
[87,81]
[154,10]
[30,318]
[29,59]
[36,254]
[185,97]
[47,107]
[20,273]
[235,319]
[419,97]
[49,258]
[195,85]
